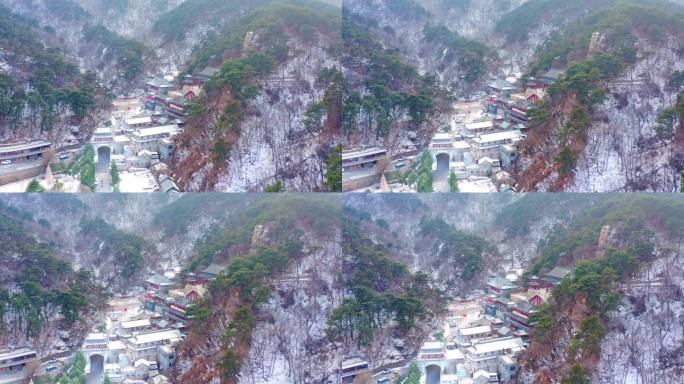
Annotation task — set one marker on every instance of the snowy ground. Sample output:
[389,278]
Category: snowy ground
[138,180]
[70,185]
[477,185]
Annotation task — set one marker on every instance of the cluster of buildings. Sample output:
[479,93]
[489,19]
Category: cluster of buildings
[482,339]
[480,144]
[142,133]
[485,134]
[137,343]
[18,152]
[475,350]
[484,346]
[513,303]
[17,364]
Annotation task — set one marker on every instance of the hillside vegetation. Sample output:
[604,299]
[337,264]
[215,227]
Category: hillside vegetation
[37,288]
[381,293]
[386,94]
[627,32]
[44,88]
[248,51]
[253,259]
[602,262]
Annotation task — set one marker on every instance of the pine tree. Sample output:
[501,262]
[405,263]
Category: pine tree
[453,182]
[413,375]
[34,186]
[114,172]
[333,175]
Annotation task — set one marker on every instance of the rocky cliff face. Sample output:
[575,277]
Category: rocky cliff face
[289,341]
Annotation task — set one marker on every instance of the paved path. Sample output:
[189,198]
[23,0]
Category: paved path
[440,183]
[96,372]
[103,177]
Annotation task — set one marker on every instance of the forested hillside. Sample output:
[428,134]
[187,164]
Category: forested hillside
[120,62]
[40,293]
[307,283]
[268,117]
[387,98]
[616,315]
[620,249]
[271,238]
[40,89]
[609,124]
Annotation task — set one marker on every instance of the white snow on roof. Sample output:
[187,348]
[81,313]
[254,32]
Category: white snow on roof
[353,362]
[498,136]
[480,125]
[116,345]
[454,354]
[433,345]
[495,345]
[362,152]
[442,136]
[139,120]
[121,139]
[96,336]
[155,337]
[475,330]
[157,130]
[135,323]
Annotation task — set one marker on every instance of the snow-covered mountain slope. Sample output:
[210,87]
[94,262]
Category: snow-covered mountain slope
[644,343]
[545,230]
[278,124]
[120,59]
[315,261]
[623,146]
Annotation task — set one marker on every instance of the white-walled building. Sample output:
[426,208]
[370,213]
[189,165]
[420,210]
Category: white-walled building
[16,364]
[485,354]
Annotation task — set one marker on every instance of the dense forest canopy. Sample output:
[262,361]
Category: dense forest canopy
[128,250]
[41,286]
[128,54]
[388,91]
[380,290]
[52,86]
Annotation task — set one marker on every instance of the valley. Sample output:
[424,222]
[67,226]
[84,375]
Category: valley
[355,288]
[514,105]
[149,62]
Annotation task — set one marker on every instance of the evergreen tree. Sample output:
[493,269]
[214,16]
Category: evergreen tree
[276,187]
[453,182]
[114,172]
[333,175]
[425,178]
[34,186]
[413,375]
